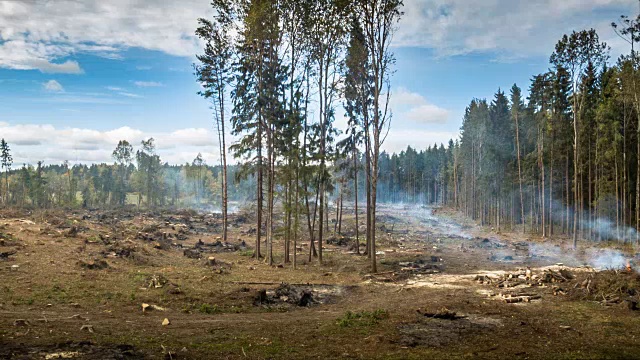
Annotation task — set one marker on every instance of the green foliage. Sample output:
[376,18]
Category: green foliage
[362,318]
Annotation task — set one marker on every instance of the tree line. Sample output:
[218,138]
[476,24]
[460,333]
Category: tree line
[137,178]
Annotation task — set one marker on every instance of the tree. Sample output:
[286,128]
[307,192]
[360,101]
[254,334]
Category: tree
[629,30]
[379,18]
[357,102]
[6,160]
[149,166]
[574,53]
[214,74]
[123,157]
[517,107]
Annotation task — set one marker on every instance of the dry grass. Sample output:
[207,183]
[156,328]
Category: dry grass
[213,314]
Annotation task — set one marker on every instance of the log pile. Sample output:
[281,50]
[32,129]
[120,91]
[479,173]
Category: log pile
[526,278]
[514,283]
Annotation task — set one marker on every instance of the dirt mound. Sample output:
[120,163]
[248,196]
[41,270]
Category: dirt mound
[443,328]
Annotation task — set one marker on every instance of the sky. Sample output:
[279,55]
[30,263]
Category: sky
[77,76]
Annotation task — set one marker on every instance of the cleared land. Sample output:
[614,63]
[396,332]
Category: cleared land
[73,286]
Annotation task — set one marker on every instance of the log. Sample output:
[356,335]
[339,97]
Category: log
[513,300]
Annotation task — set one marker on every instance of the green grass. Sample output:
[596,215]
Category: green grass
[362,318]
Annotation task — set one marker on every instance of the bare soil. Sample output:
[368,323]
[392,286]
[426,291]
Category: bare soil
[73,285]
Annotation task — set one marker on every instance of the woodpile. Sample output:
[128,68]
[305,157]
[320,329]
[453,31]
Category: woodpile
[526,278]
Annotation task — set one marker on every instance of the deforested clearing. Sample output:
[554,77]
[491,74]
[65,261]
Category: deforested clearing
[330,179]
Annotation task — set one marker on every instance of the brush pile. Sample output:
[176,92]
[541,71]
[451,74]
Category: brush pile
[608,287]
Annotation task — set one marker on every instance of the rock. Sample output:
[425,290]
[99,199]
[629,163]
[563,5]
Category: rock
[166,322]
[145,307]
[15,267]
[88,328]
[21,323]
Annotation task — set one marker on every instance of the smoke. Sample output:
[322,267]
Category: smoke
[442,225]
[553,253]
[606,259]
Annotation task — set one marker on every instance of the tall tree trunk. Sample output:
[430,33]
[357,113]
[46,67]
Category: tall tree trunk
[355,185]
[524,224]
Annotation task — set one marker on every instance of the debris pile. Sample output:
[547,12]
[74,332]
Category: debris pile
[297,295]
[608,287]
[340,241]
[526,278]
[485,243]
[421,266]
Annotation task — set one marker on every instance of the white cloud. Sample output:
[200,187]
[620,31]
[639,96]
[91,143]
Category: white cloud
[33,142]
[67,67]
[40,35]
[114,88]
[128,94]
[430,114]
[53,86]
[148,84]
[512,29]
[408,105]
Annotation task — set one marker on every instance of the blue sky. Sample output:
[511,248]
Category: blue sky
[72,87]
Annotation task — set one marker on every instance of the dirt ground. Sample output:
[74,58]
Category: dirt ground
[162,285]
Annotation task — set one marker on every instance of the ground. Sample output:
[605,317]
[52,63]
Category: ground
[73,285]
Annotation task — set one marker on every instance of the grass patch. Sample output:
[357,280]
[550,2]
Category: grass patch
[247,253]
[209,309]
[362,318]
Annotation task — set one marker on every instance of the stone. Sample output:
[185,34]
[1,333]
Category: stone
[166,322]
